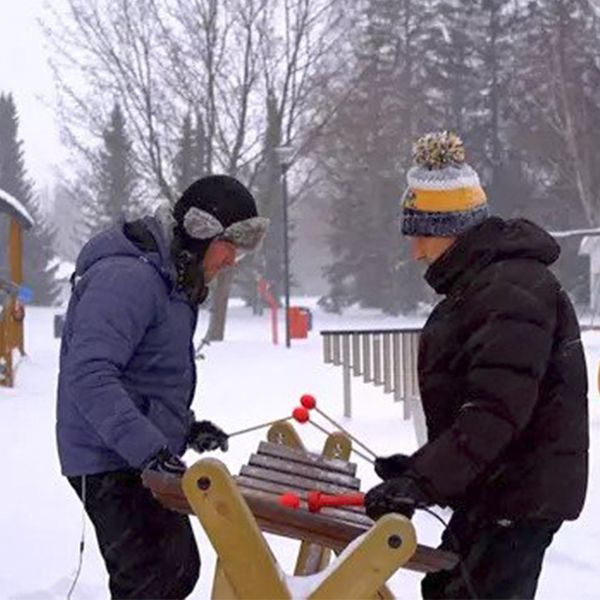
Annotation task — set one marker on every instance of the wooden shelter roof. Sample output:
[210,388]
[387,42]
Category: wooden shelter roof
[11,206]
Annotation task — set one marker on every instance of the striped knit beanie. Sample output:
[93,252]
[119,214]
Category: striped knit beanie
[444,196]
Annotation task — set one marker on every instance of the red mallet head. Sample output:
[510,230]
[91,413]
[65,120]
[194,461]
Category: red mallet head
[290,500]
[301,414]
[314,501]
[309,402]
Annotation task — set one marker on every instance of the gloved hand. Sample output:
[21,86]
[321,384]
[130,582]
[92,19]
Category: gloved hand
[398,495]
[166,462]
[205,436]
[388,467]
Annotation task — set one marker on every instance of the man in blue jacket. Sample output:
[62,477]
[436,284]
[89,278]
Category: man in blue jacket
[127,377]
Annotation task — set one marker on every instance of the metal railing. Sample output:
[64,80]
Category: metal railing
[386,358]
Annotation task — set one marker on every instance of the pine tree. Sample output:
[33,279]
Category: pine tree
[555,119]
[116,198]
[365,158]
[558,112]
[183,159]
[199,165]
[476,60]
[268,192]
[190,159]
[68,221]
[38,255]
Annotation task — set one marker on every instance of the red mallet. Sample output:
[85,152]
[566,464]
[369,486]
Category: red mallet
[301,414]
[290,500]
[317,500]
[309,402]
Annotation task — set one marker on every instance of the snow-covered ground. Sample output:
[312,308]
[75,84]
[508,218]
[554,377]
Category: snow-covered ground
[242,382]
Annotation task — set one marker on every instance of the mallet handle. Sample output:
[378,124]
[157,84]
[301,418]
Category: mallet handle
[354,439]
[248,429]
[363,456]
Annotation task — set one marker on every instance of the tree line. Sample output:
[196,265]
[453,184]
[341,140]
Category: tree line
[520,82]
[156,93]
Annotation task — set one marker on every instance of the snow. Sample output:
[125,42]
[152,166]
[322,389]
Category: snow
[303,587]
[64,268]
[242,382]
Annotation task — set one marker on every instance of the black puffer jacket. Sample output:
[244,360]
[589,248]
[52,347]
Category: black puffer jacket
[503,379]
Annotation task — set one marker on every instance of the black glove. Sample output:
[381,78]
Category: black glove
[398,495]
[165,462]
[204,436]
[388,467]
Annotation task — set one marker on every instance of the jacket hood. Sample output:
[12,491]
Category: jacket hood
[113,242]
[492,241]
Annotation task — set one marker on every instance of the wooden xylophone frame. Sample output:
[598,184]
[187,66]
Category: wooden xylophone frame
[235,511]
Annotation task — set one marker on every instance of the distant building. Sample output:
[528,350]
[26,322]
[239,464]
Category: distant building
[10,210]
[590,247]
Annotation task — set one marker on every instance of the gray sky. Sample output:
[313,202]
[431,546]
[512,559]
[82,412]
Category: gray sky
[25,73]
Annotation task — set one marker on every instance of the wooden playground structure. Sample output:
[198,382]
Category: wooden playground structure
[235,511]
[12,311]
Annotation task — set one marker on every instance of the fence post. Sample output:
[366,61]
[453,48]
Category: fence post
[347,376]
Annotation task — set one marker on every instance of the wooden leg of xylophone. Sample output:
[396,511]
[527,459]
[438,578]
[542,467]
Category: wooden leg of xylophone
[222,589]
[312,558]
[245,559]
[364,570]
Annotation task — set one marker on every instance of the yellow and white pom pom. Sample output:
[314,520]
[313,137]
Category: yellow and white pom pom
[438,150]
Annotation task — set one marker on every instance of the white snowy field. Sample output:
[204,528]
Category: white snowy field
[242,382]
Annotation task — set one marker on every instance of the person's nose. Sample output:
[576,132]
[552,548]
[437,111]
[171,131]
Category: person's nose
[229,259]
[416,251]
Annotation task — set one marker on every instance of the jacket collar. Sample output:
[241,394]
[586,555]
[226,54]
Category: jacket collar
[491,241]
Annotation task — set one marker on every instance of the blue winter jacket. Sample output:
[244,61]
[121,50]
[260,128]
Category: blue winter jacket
[127,370]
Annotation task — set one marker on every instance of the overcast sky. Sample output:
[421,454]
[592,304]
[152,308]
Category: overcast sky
[25,73]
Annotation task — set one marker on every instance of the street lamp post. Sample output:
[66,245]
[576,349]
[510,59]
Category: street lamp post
[284,155]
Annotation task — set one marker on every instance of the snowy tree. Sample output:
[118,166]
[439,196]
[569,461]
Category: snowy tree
[218,58]
[365,155]
[269,197]
[474,70]
[190,159]
[557,109]
[37,241]
[183,159]
[68,220]
[116,199]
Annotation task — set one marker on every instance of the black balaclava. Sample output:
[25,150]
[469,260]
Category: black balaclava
[221,196]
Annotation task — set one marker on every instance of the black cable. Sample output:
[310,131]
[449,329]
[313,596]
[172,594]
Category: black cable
[81,541]
[466,576]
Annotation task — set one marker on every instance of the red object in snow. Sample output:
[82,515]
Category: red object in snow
[317,500]
[308,401]
[290,500]
[299,322]
[301,414]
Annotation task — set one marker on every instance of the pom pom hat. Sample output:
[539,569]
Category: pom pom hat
[444,196]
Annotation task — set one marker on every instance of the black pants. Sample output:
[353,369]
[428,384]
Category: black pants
[500,559]
[150,552]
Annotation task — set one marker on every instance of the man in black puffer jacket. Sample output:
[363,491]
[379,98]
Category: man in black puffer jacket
[503,384]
